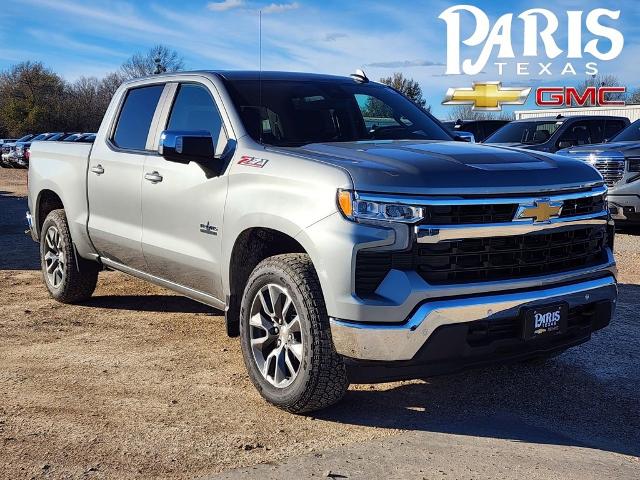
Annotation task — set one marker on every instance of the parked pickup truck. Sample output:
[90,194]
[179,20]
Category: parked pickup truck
[341,247]
[619,163]
[550,134]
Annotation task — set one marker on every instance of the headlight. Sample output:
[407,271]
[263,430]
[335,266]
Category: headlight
[357,209]
[634,164]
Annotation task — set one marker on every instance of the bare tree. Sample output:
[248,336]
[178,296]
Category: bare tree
[157,59]
[408,87]
[603,80]
[87,100]
[466,112]
[634,97]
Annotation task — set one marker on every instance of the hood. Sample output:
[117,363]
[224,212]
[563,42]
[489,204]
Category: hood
[427,167]
[603,147]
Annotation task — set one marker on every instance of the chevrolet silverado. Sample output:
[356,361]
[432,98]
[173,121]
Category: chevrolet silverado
[346,235]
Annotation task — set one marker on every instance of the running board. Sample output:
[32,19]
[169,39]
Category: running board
[196,295]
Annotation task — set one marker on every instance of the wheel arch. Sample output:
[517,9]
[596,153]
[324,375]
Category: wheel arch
[251,246]
[47,201]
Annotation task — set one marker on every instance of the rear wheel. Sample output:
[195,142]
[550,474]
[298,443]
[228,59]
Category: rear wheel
[68,277]
[286,337]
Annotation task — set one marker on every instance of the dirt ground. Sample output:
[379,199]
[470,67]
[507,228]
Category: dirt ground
[141,383]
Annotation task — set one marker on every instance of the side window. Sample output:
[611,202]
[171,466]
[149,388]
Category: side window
[136,116]
[576,134]
[597,131]
[612,128]
[194,109]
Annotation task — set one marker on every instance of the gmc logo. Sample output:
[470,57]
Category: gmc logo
[570,96]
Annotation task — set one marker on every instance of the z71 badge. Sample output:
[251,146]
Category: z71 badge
[252,161]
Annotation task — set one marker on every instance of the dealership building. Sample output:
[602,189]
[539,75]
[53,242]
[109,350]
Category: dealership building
[632,112]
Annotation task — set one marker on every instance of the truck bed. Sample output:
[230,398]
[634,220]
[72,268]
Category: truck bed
[60,168]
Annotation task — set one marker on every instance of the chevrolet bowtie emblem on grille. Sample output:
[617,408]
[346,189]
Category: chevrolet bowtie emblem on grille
[486,96]
[539,211]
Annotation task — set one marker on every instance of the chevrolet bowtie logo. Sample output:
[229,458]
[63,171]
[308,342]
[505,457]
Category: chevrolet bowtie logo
[540,211]
[486,96]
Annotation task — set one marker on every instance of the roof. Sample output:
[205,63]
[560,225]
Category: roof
[282,76]
[249,75]
[563,118]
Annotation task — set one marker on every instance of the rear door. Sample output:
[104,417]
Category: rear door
[183,203]
[115,177]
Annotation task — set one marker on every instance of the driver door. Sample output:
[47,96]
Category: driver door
[183,203]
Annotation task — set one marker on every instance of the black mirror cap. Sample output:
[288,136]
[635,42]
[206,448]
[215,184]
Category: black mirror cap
[186,146]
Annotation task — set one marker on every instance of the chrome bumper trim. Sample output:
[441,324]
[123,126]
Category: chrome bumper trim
[441,233]
[402,342]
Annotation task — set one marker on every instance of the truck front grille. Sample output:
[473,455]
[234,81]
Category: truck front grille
[469,214]
[582,206]
[477,214]
[609,164]
[488,258]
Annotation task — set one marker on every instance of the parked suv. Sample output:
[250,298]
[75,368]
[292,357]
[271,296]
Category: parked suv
[550,134]
[343,232]
[619,163]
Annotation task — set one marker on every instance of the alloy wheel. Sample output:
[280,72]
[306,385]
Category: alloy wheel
[276,335]
[54,258]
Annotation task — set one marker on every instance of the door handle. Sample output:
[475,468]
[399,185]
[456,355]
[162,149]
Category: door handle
[97,169]
[153,177]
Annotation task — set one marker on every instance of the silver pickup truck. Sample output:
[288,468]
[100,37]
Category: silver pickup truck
[343,231]
[619,163]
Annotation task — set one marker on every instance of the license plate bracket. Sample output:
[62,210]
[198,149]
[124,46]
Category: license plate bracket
[545,320]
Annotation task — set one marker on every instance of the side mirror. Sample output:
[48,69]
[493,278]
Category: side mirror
[459,136]
[187,146]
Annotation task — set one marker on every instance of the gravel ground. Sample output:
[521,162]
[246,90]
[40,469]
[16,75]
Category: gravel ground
[141,383]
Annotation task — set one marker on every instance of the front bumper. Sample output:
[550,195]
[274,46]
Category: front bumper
[30,227]
[625,207]
[402,342]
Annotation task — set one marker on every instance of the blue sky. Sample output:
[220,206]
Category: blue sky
[93,38]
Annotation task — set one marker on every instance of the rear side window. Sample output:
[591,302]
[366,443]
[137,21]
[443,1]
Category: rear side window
[136,116]
[612,128]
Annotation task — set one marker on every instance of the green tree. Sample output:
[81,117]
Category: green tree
[31,98]
[157,59]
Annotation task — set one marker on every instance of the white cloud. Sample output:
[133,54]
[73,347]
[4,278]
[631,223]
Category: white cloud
[280,7]
[406,63]
[225,5]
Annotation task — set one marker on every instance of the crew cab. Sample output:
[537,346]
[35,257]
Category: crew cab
[550,134]
[619,163]
[344,233]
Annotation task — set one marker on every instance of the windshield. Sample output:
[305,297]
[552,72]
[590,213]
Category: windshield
[25,138]
[524,132]
[296,112]
[632,132]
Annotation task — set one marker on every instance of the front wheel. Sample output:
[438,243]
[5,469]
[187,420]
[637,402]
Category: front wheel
[68,278]
[286,337]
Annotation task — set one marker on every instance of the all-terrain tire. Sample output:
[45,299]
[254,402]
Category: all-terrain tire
[321,380]
[79,276]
